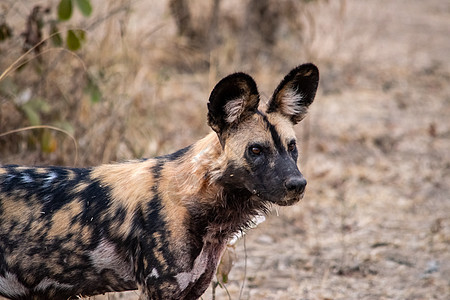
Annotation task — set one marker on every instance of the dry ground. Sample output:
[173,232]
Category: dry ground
[375,222]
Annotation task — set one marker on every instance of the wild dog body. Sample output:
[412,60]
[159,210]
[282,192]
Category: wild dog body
[158,225]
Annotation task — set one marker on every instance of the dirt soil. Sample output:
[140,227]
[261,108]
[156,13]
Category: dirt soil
[375,149]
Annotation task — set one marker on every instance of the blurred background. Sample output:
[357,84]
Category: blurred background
[86,82]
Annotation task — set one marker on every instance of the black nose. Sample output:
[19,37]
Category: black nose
[296,184]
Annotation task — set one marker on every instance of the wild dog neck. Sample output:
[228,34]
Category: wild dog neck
[216,207]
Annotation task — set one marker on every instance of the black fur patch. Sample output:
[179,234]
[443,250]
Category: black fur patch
[275,135]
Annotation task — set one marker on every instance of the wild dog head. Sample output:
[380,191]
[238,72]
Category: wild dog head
[261,147]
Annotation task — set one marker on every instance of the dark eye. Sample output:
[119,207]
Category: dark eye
[256,150]
[292,146]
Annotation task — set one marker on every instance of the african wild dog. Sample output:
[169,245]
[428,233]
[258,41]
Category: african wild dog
[158,225]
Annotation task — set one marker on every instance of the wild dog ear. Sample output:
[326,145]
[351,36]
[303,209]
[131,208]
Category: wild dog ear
[295,93]
[232,100]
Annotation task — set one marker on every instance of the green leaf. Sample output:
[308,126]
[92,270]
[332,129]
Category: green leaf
[32,115]
[73,42]
[65,10]
[48,142]
[93,90]
[81,34]
[40,104]
[85,7]
[64,125]
[55,35]
[225,278]
[34,108]
[8,88]
[96,94]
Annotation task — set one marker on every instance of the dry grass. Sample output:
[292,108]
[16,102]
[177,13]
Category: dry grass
[375,221]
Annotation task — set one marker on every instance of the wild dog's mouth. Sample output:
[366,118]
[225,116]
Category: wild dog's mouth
[290,200]
[287,200]
[281,198]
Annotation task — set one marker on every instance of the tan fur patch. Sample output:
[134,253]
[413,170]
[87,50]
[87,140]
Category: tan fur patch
[307,73]
[131,186]
[130,183]
[174,211]
[40,170]
[209,159]
[37,227]
[79,187]
[157,251]
[15,209]
[253,130]
[192,175]
[62,218]
[21,169]
[86,234]
[70,175]
[283,126]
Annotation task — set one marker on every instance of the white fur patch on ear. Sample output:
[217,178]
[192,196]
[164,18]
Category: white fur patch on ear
[233,109]
[290,103]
